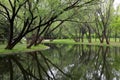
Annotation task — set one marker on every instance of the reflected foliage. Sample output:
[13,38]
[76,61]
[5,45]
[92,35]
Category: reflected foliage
[31,66]
[85,62]
[63,62]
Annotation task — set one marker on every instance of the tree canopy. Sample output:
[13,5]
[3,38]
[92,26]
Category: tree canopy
[75,18]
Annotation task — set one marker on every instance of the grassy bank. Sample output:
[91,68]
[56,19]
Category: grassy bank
[20,48]
[71,41]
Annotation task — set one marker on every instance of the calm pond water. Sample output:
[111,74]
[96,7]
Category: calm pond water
[63,62]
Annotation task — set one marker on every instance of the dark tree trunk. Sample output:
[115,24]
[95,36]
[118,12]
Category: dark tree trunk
[9,45]
[115,36]
[14,42]
[79,35]
[89,37]
[107,40]
[39,40]
[89,32]
[82,37]
[106,37]
[37,36]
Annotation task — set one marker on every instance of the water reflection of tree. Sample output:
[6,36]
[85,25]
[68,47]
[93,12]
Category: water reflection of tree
[92,63]
[35,67]
[89,62]
[82,62]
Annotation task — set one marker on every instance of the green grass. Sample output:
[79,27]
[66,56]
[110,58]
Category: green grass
[20,48]
[71,41]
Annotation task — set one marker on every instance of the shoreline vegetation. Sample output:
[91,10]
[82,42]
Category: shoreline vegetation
[21,48]
[71,41]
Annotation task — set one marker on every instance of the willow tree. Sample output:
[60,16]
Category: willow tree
[34,16]
[102,18]
[54,10]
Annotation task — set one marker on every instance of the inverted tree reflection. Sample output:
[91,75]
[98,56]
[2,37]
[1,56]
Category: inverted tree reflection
[63,62]
[35,67]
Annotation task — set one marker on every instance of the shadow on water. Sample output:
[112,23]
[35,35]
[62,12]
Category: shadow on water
[63,62]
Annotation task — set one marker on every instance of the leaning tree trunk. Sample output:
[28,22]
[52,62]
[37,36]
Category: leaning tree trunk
[106,37]
[13,43]
[107,40]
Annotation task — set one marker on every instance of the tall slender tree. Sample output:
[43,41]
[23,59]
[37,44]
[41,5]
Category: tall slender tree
[102,19]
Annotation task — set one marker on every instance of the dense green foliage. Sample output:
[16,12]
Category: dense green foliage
[57,19]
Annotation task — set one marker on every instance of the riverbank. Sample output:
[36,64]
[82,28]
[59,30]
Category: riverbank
[21,48]
[71,41]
